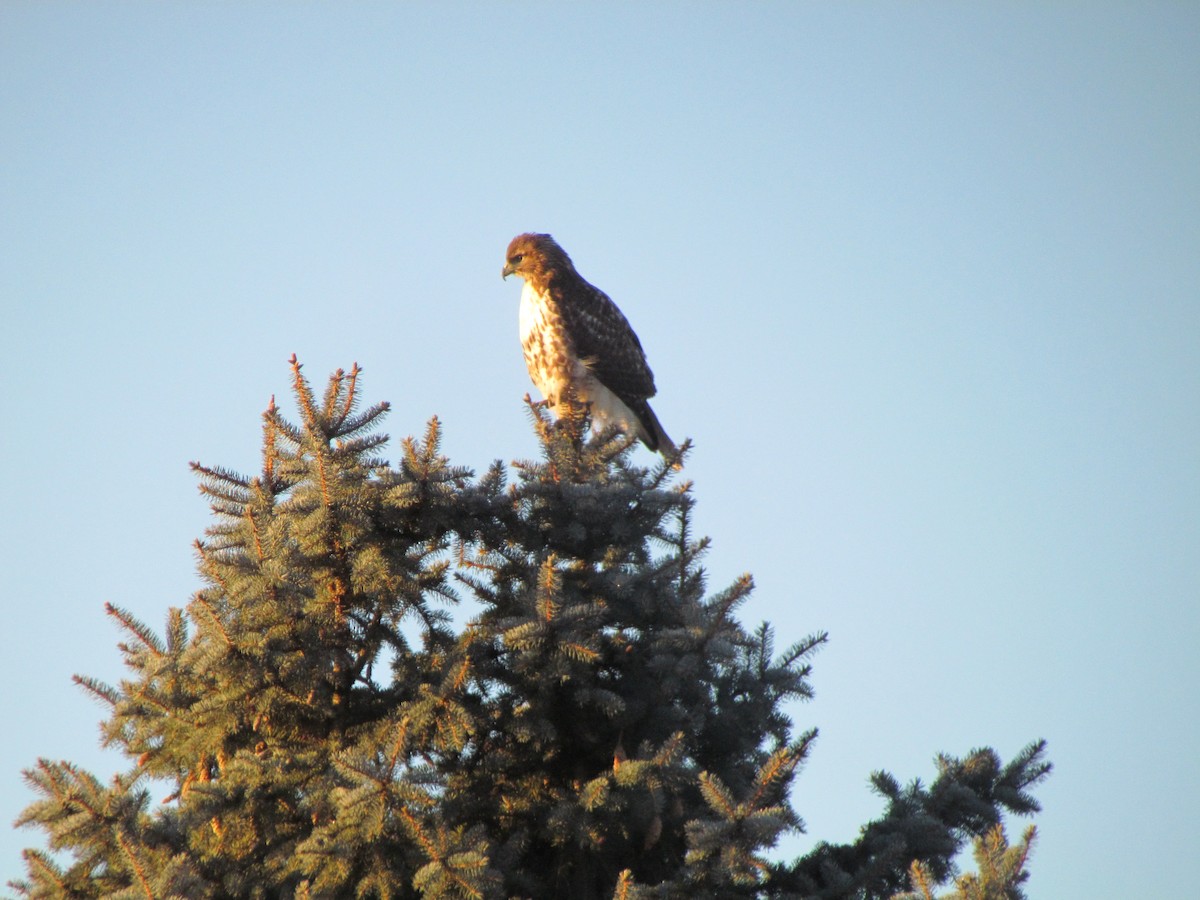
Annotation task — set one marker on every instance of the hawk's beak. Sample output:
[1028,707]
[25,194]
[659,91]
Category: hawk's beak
[507,270]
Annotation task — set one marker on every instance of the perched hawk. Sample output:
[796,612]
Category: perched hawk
[578,343]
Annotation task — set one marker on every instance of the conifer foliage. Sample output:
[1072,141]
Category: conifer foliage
[1001,871]
[404,681]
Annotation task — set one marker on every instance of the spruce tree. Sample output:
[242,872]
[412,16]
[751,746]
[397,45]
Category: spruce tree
[1000,876]
[404,681]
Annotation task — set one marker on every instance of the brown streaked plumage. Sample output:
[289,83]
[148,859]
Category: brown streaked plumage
[577,342]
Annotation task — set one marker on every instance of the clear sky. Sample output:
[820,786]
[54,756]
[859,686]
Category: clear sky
[922,281]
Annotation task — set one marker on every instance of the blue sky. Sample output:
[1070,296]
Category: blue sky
[920,280]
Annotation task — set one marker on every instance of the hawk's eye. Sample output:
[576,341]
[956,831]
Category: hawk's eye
[516,258]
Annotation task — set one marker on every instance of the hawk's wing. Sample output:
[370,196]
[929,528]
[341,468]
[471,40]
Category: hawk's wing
[604,340]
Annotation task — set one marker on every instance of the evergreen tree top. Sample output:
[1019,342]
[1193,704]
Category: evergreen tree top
[314,723]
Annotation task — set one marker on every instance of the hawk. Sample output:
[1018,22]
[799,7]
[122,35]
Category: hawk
[578,344]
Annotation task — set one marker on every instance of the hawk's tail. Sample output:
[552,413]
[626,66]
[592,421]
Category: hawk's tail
[653,435]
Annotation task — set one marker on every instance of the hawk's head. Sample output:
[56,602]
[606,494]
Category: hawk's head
[534,257]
